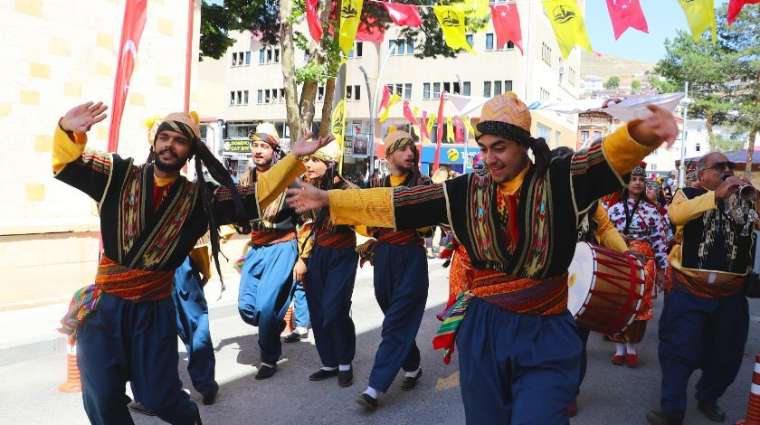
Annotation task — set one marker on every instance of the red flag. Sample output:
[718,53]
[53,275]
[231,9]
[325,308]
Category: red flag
[423,126]
[506,23]
[408,114]
[626,14]
[458,130]
[735,8]
[369,31]
[386,99]
[312,18]
[131,30]
[404,14]
[439,134]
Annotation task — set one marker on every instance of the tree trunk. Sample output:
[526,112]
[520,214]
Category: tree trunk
[750,150]
[293,115]
[709,128]
[324,126]
[307,103]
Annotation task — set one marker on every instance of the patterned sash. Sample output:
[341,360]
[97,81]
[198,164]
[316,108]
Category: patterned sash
[270,237]
[336,239]
[115,279]
[705,287]
[402,237]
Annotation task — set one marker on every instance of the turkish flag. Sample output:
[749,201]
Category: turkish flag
[370,31]
[131,30]
[386,98]
[735,8]
[626,14]
[506,23]
[404,14]
[408,114]
[423,126]
[312,18]
[439,133]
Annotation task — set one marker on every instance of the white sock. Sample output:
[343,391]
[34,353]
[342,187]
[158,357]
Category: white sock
[267,365]
[630,348]
[413,374]
[344,367]
[619,349]
[372,392]
[328,369]
[301,330]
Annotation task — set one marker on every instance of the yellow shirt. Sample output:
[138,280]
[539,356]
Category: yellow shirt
[606,233]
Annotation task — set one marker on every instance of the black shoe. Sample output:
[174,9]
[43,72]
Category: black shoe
[283,325]
[711,411]
[410,382]
[266,372]
[139,408]
[366,400]
[346,377]
[659,418]
[295,337]
[210,397]
[322,374]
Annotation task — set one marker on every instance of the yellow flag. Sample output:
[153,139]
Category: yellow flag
[350,12]
[430,123]
[392,101]
[701,16]
[478,9]
[569,28]
[450,130]
[338,128]
[468,126]
[451,19]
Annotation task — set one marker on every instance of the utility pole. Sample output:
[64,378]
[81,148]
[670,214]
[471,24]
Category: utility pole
[684,131]
[370,101]
[373,104]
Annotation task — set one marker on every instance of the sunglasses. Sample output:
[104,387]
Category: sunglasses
[720,166]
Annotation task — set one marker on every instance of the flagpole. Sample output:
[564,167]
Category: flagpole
[189,51]
[371,150]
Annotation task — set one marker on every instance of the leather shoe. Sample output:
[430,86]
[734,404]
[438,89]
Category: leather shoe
[659,418]
[366,400]
[411,381]
[711,411]
[618,360]
[632,360]
[295,337]
[210,397]
[322,374]
[136,406]
[266,372]
[346,377]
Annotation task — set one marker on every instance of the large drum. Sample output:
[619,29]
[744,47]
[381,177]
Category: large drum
[605,288]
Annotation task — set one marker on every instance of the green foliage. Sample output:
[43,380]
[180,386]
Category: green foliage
[612,83]
[635,85]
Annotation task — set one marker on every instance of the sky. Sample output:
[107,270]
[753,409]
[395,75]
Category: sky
[664,18]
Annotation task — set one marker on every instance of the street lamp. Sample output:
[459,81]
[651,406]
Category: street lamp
[682,168]
[373,103]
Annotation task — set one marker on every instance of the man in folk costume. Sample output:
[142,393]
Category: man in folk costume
[124,325]
[705,319]
[401,280]
[519,354]
[329,276]
[266,278]
[646,232]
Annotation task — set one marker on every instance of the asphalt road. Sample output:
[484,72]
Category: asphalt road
[610,394]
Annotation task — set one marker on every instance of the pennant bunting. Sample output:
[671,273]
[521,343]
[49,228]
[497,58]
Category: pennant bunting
[393,100]
[386,98]
[506,24]
[408,114]
[430,124]
[439,133]
[468,126]
[735,8]
[626,14]
[350,14]
[458,130]
[404,14]
[701,17]
[568,25]
[451,19]
[424,133]
[312,18]
[338,129]
[450,136]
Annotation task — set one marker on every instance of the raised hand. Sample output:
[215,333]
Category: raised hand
[306,146]
[306,197]
[80,118]
[657,128]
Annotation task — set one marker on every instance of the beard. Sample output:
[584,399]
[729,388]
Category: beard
[169,167]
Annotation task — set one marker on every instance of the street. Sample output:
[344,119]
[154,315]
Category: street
[610,394]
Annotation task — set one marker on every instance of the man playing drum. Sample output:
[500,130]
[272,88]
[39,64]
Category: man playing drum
[519,354]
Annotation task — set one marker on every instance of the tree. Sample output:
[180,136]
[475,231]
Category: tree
[635,86]
[612,83]
[273,22]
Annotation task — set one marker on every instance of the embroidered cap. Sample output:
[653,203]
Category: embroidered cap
[503,109]
[398,140]
[266,132]
[327,153]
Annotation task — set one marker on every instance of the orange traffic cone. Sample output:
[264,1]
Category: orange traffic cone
[73,382]
[753,407]
[289,319]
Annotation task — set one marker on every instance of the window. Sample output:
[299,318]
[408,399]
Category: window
[486,89]
[407,91]
[546,54]
[234,58]
[584,136]
[489,41]
[496,88]
[260,97]
[357,92]
[597,135]
[469,39]
[409,47]
[507,86]
[425,91]
[262,55]
[269,55]
[349,92]
[510,45]
[320,93]
[544,131]
[400,47]
[267,96]
[239,97]
[245,97]
[436,90]
[232,98]
[282,95]
[275,97]
[357,51]
[248,57]
[457,88]
[277,55]
[544,94]
[571,76]
[561,71]
[399,89]
[466,88]
[447,87]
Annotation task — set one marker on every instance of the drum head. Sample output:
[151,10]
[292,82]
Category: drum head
[580,276]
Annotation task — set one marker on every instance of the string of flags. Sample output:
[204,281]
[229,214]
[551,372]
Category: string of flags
[566,18]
